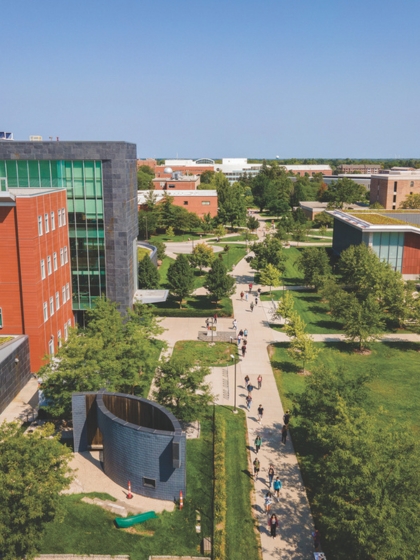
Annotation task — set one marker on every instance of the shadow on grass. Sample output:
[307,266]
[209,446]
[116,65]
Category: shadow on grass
[286,367]
[402,345]
[331,325]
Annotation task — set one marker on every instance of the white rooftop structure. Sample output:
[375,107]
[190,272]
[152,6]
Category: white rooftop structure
[150,296]
[318,167]
[142,196]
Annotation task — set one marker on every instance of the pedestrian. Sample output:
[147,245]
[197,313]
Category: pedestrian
[215,318]
[234,324]
[250,388]
[286,418]
[270,476]
[252,306]
[208,323]
[243,351]
[268,501]
[241,333]
[257,443]
[256,464]
[256,301]
[246,296]
[242,295]
[245,332]
[259,380]
[244,342]
[259,292]
[246,381]
[260,413]
[250,287]
[239,340]
[248,402]
[273,524]
[284,434]
[277,487]
[317,539]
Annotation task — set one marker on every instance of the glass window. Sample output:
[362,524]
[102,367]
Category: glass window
[49,265]
[63,216]
[51,346]
[39,225]
[63,294]
[57,300]
[59,218]
[52,221]
[51,306]
[1,318]
[42,269]
[61,257]
[45,311]
[67,291]
[205,202]
[59,341]
[55,261]
[66,259]
[66,334]
[47,224]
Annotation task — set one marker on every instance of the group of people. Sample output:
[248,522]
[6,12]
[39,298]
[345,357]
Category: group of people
[241,338]
[248,295]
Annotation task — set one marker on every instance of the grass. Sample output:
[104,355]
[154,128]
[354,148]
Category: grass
[195,235]
[194,306]
[374,218]
[4,339]
[88,529]
[216,355]
[242,237]
[235,254]
[163,271]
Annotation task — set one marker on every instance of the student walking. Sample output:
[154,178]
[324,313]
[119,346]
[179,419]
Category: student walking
[215,318]
[273,524]
[268,501]
[243,351]
[256,301]
[248,402]
[245,332]
[246,381]
[260,413]
[242,295]
[256,464]
[270,476]
[286,418]
[257,443]
[251,306]
[250,388]
[250,287]
[284,434]
[259,380]
[277,487]
[239,340]
[259,292]
[234,324]
[246,296]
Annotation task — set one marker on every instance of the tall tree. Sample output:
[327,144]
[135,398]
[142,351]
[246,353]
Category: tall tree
[33,473]
[412,201]
[252,223]
[362,320]
[344,191]
[145,174]
[181,278]
[218,282]
[270,251]
[148,275]
[315,265]
[202,255]
[269,276]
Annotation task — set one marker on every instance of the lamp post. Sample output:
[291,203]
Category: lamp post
[234,388]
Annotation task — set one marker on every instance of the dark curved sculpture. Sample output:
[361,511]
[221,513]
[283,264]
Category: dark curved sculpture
[142,441]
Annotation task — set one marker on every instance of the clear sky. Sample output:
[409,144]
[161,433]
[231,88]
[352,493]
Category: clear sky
[216,78]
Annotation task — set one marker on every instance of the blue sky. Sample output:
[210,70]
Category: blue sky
[195,78]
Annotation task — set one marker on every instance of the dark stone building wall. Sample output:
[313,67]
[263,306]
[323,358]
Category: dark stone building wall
[345,235]
[119,164]
[135,453]
[13,375]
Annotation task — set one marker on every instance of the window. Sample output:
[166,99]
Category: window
[395,186]
[171,186]
[49,265]
[45,311]
[394,198]
[63,294]
[63,216]
[39,225]
[66,260]
[59,341]
[59,218]
[47,223]
[411,183]
[61,257]
[51,306]
[51,346]
[66,333]
[55,261]
[67,291]
[1,318]
[57,300]
[52,221]
[205,202]
[149,482]
[185,202]
[42,269]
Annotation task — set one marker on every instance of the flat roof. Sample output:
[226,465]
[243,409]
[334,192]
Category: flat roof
[143,195]
[373,221]
[33,191]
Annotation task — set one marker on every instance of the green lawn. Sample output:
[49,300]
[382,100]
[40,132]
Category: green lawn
[163,270]
[312,239]
[328,233]
[88,529]
[235,254]
[216,355]
[194,306]
[292,276]
[195,235]
[242,237]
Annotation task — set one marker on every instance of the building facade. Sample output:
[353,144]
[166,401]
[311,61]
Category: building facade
[392,187]
[35,276]
[368,168]
[310,170]
[199,202]
[101,186]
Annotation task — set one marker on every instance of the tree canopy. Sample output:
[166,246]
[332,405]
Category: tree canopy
[269,251]
[181,278]
[412,201]
[315,265]
[344,191]
[145,174]
[148,275]
[218,282]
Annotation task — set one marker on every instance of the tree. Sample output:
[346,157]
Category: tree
[181,278]
[259,189]
[269,276]
[343,191]
[148,221]
[202,255]
[362,320]
[270,251]
[220,231]
[160,246]
[285,306]
[252,223]
[206,178]
[181,388]
[111,353]
[148,275]
[33,473]
[218,282]
[232,204]
[170,231]
[412,201]
[145,174]
[302,348]
[315,265]
[323,219]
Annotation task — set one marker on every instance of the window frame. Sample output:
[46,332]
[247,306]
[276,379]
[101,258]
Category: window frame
[43,273]
[49,265]
[45,308]
[47,223]
[52,217]
[51,306]
[40,226]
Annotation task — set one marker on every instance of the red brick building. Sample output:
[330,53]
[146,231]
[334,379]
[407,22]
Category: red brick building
[183,183]
[35,277]
[391,187]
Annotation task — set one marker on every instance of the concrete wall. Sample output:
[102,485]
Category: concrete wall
[13,376]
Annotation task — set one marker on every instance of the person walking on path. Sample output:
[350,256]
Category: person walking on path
[246,296]
[270,475]
[241,333]
[239,340]
[248,402]
[268,501]
[286,418]
[259,380]
[215,318]
[256,464]
[257,443]
[259,292]
[245,333]
[273,523]
[250,288]
[277,487]
[284,434]
[256,301]
[260,413]
[251,306]
[242,295]
[250,388]
[243,351]
[234,324]
[246,381]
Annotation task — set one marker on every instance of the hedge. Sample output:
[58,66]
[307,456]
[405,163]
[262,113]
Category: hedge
[220,494]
